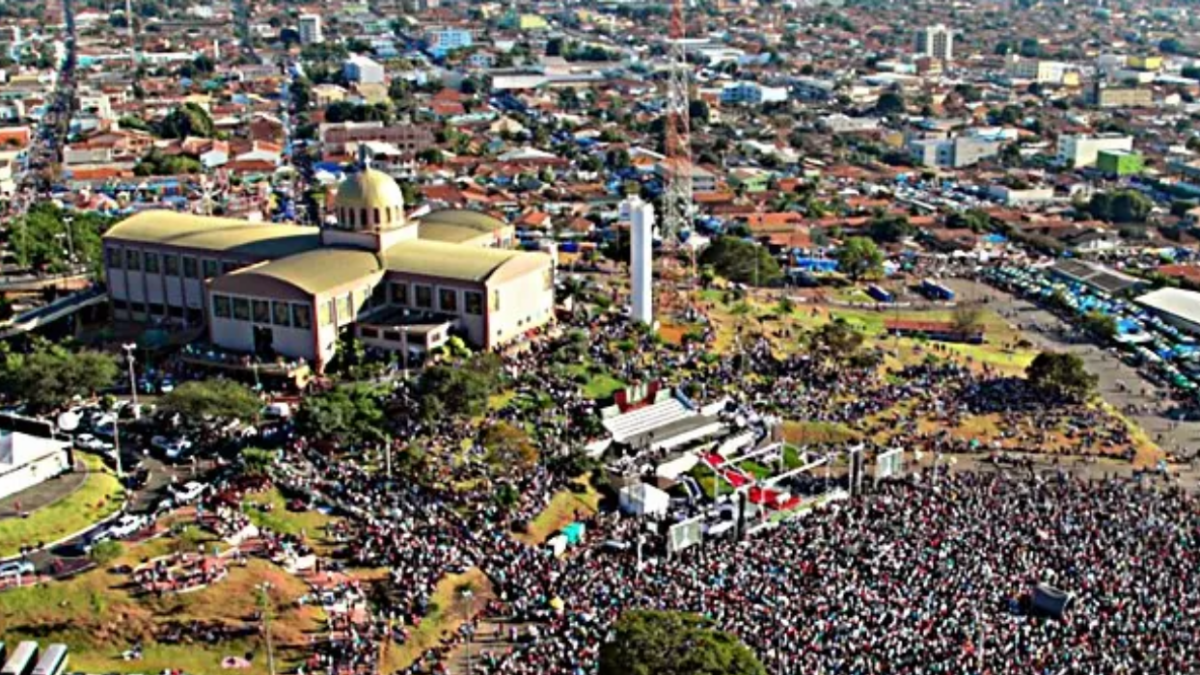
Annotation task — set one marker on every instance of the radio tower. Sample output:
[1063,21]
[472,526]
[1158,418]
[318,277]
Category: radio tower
[677,196]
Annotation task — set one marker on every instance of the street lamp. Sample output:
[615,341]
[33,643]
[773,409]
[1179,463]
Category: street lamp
[265,605]
[129,348]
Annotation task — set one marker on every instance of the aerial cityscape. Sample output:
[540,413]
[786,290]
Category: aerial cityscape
[600,337]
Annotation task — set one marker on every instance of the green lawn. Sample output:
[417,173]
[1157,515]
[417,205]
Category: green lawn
[602,386]
[99,497]
[560,513]
[280,519]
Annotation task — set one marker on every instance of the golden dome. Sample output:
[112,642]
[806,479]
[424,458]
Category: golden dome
[369,200]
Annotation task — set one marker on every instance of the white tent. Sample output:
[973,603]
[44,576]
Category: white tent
[643,500]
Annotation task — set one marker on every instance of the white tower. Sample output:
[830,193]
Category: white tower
[641,238]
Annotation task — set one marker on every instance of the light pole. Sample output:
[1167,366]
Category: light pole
[264,606]
[129,348]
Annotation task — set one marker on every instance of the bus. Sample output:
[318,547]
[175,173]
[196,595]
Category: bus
[879,294]
[23,658]
[53,662]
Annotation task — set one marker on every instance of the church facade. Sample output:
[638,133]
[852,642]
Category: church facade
[288,290]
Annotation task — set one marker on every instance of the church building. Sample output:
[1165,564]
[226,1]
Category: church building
[289,290]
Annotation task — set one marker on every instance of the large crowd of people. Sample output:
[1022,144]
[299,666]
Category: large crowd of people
[920,577]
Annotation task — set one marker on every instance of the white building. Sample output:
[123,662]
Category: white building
[310,29]
[26,461]
[1037,70]
[752,93]
[640,216]
[363,70]
[839,123]
[1080,151]
[936,42]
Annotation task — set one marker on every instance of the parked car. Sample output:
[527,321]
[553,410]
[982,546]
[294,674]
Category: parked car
[189,492]
[92,444]
[16,567]
[166,385]
[127,525]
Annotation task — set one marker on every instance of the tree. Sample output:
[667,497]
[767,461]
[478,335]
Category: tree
[509,446]
[257,461]
[890,103]
[105,552]
[1122,206]
[1169,46]
[458,390]
[219,399]
[1061,376]
[966,318]
[890,228]
[1101,325]
[976,220]
[188,119]
[349,416]
[858,257]
[674,643]
[837,339]
[50,374]
[1131,206]
[742,261]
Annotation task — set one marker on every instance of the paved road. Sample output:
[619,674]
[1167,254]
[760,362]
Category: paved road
[1121,385]
[141,501]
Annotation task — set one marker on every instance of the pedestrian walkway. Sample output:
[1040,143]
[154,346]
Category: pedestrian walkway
[43,494]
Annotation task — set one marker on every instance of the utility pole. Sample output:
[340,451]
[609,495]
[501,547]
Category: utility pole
[264,605]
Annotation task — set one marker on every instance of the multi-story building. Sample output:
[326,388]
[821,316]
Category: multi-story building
[752,93]
[1041,70]
[363,70]
[952,153]
[310,29]
[1120,162]
[1103,96]
[343,138]
[1079,151]
[290,291]
[935,42]
[443,40]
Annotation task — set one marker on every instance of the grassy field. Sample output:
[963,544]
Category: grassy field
[561,512]
[602,386]
[806,433]
[95,615]
[280,519]
[99,497]
[445,615]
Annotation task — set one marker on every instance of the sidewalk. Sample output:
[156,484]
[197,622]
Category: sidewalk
[44,494]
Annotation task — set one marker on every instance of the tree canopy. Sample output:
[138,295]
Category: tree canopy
[459,390]
[890,227]
[1122,206]
[221,399]
[509,446]
[1061,376]
[49,374]
[742,261]
[188,119]
[349,416]
[674,643]
[40,239]
[858,257]
[837,339]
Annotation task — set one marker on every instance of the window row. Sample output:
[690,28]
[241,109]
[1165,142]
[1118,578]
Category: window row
[447,298]
[157,309]
[284,314]
[169,264]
